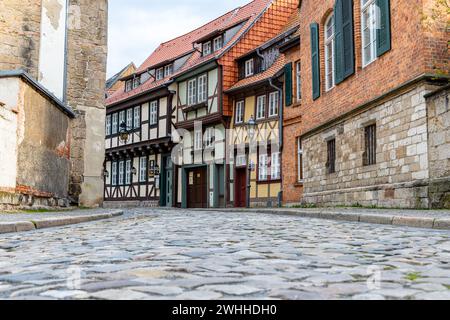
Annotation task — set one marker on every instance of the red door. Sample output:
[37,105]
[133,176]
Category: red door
[196,188]
[240,188]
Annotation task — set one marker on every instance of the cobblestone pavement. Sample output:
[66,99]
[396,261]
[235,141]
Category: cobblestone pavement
[153,254]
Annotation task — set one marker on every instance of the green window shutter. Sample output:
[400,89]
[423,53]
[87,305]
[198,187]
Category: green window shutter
[344,40]
[288,83]
[315,60]
[384,32]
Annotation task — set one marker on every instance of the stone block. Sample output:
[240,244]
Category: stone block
[376,218]
[417,222]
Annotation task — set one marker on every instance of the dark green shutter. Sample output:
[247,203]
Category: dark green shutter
[384,32]
[315,60]
[288,83]
[344,40]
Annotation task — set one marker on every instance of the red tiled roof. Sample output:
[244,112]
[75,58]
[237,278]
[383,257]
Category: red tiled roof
[183,45]
[260,77]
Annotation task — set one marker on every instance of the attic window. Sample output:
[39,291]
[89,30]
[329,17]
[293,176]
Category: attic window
[136,82]
[249,68]
[159,73]
[207,48]
[168,70]
[128,85]
[218,43]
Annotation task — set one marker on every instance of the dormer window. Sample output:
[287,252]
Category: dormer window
[168,70]
[249,68]
[218,43]
[136,82]
[159,73]
[128,85]
[206,48]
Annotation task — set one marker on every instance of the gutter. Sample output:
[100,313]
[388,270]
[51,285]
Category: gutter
[40,88]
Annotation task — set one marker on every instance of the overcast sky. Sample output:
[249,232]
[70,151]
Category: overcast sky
[137,27]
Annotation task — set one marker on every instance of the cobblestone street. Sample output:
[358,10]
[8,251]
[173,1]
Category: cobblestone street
[156,254]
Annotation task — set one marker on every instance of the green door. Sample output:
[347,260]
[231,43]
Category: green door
[169,182]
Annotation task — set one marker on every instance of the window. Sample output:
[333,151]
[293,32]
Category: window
[299,160]
[218,43]
[370,152]
[275,166]
[192,92]
[121,172]
[262,165]
[137,117]
[159,73]
[207,48]
[128,172]
[209,137]
[369,31]
[108,125]
[202,89]
[298,82]
[331,156]
[128,85]
[153,113]
[114,123]
[168,70]
[130,118]
[142,169]
[114,174]
[241,160]
[249,68]
[121,117]
[198,140]
[273,104]
[136,82]
[239,112]
[329,53]
[261,107]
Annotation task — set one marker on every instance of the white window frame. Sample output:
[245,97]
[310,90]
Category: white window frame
[329,47]
[369,6]
[240,105]
[249,68]
[209,137]
[206,48]
[121,117]
[115,123]
[218,43]
[274,100]
[298,84]
[142,169]
[114,174]
[168,70]
[128,85]
[108,125]
[260,107]
[159,74]
[130,118]
[300,166]
[198,140]
[275,166]
[202,87]
[137,117]
[262,167]
[128,172]
[136,82]
[192,92]
[121,173]
[153,113]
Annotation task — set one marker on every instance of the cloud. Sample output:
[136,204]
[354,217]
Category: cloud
[137,27]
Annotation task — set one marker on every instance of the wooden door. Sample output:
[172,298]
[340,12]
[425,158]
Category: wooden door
[196,188]
[240,193]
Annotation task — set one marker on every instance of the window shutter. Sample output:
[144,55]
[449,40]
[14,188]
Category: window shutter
[288,83]
[315,60]
[384,31]
[344,40]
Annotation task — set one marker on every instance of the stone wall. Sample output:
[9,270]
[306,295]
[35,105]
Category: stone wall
[439,148]
[400,176]
[87,50]
[19,35]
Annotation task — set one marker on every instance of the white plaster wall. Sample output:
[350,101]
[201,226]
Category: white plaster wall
[9,92]
[52,46]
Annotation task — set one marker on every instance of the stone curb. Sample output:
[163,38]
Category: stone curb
[22,226]
[385,219]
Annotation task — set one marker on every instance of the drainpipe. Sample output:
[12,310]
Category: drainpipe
[280,124]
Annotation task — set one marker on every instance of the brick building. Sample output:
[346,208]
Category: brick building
[52,73]
[362,124]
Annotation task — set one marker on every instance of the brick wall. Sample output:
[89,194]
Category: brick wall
[415,51]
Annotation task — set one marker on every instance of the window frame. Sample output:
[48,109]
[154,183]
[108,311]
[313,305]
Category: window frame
[300,168]
[240,109]
[274,103]
[153,112]
[122,117]
[209,137]
[108,126]
[329,42]
[128,85]
[128,172]
[275,170]
[258,99]
[370,145]
[298,80]
[168,70]
[371,7]
[129,118]
[192,92]
[159,74]
[205,45]
[143,169]
[198,140]
[331,156]
[137,117]
[121,173]
[215,47]
[263,167]
[114,173]
[204,85]
[249,67]
[115,123]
